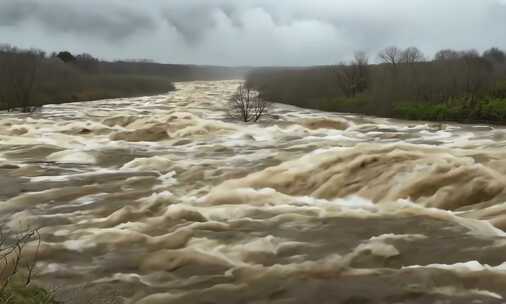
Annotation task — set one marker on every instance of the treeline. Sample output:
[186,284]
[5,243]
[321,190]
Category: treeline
[32,78]
[454,85]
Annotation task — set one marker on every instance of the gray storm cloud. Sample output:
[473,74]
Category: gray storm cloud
[250,32]
[76,17]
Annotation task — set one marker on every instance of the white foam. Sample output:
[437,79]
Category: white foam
[72,156]
[155,163]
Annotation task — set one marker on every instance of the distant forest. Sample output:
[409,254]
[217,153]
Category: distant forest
[32,78]
[463,86]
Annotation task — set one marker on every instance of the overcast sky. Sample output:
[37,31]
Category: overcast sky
[250,32]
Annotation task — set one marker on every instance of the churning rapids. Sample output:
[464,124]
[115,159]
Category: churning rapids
[164,199]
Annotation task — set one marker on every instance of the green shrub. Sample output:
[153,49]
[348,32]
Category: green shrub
[499,90]
[20,294]
[494,109]
[434,112]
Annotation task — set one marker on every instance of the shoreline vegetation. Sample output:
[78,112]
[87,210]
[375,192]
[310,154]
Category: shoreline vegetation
[457,86]
[31,78]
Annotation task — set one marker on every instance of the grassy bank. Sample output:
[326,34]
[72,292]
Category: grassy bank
[490,110]
[487,110]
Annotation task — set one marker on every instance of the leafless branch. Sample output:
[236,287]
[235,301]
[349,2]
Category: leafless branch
[247,105]
[11,255]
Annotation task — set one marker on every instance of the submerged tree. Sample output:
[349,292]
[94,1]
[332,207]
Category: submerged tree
[247,105]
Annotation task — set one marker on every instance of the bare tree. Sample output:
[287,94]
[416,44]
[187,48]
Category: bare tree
[12,259]
[388,83]
[391,55]
[19,69]
[446,54]
[476,73]
[87,63]
[354,78]
[412,55]
[247,105]
[361,63]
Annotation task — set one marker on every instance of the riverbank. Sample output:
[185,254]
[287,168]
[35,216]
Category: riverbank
[486,111]
[464,90]
[97,87]
[31,78]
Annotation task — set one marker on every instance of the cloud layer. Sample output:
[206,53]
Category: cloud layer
[250,32]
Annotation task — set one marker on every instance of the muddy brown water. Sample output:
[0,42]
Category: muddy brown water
[164,199]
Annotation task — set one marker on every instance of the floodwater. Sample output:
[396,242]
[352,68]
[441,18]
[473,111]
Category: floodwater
[164,199]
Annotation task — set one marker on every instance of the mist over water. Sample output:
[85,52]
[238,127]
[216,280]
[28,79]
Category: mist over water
[164,199]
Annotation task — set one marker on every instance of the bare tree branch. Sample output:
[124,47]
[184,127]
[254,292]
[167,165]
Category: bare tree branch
[11,254]
[412,55]
[354,78]
[391,55]
[247,105]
